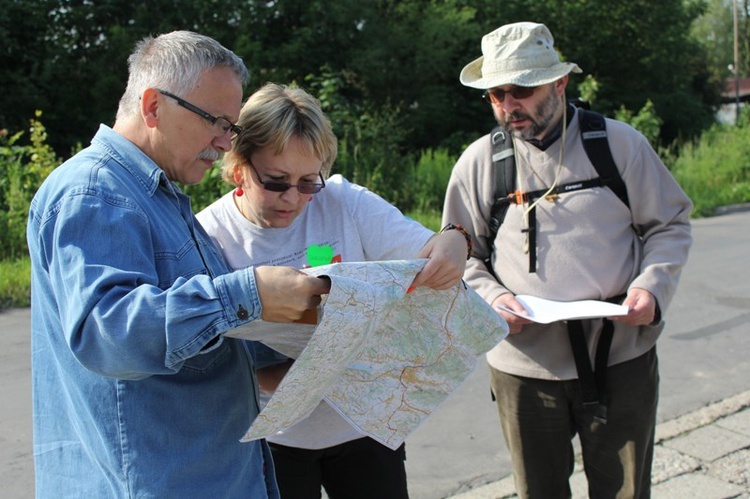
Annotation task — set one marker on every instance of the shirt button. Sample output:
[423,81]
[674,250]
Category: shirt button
[242,313]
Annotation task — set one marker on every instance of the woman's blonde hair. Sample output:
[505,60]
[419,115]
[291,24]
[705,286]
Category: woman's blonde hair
[271,117]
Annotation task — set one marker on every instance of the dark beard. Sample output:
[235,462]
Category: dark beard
[541,124]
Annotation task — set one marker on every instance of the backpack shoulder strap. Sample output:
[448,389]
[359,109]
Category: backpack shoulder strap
[595,143]
[504,174]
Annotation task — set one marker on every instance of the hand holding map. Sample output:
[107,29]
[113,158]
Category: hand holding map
[384,359]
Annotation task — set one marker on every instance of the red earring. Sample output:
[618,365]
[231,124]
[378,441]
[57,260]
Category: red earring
[238,191]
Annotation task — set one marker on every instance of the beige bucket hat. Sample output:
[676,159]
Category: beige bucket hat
[520,54]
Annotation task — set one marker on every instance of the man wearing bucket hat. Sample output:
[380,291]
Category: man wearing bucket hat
[568,236]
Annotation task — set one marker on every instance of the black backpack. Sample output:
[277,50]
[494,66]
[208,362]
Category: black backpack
[594,135]
[595,143]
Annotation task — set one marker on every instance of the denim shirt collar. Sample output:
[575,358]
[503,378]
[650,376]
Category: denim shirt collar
[148,174]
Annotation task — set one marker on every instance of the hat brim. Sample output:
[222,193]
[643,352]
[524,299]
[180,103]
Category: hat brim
[471,75]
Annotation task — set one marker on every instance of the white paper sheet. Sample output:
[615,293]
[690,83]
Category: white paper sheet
[547,311]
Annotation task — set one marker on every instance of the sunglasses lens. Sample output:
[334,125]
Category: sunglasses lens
[309,188]
[283,187]
[497,96]
[276,186]
[522,92]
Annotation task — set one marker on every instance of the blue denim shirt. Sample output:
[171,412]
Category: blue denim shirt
[136,393]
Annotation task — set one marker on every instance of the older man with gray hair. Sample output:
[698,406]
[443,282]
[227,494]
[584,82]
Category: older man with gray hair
[566,233]
[137,392]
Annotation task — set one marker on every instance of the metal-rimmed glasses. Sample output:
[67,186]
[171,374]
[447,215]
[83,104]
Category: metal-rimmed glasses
[278,186]
[497,95]
[219,126]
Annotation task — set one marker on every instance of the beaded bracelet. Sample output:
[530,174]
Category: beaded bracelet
[469,242]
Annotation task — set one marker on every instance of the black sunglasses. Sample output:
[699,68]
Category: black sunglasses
[497,95]
[277,186]
[219,126]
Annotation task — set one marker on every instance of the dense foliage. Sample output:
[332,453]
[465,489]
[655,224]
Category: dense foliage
[715,170]
[394,59]
[386,73]
[22,170]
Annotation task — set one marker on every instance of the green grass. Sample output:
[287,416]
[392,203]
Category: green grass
[715,170]
[15,275]
[430,219]
[15,283]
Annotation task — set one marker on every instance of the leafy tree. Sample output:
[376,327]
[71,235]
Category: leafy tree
[636,50]
[714,30]
[397,54]
[22,170]
[646,121]
[23,57]
[68,57]
[417,50]
[743,21]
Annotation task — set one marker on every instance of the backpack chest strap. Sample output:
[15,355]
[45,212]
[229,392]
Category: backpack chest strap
[519,197]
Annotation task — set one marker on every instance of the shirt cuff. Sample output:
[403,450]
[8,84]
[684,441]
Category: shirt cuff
[239,296]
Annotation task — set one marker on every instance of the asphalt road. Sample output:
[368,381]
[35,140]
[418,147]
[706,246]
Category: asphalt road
[703,359]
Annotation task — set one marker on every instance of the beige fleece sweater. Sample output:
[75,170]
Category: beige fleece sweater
[589,244]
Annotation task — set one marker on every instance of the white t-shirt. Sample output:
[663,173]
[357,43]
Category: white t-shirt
[356,223]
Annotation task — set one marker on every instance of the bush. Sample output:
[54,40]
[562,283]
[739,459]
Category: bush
[646,121]
[22,170]
[429,179]
[371,136]
[715,170]
[208,191]
[15,283]
[431,219]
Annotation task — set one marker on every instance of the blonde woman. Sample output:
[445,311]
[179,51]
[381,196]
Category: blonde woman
[286,210]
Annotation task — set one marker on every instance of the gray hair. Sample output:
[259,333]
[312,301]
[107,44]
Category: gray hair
[175,62]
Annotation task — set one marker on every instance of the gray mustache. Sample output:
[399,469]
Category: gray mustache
[211,154]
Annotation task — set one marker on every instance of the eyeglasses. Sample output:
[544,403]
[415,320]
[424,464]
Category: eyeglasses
[277,186]
[497,95]
[219,126]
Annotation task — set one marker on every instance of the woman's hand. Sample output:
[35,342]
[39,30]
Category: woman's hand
[447,260]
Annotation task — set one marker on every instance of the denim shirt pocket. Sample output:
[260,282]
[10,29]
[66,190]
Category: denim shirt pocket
[185,262]
[205,363]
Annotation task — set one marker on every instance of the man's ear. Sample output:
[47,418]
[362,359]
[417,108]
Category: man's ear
[150,107]
[560,85]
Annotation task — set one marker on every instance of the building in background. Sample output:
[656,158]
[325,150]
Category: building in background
[731,96]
